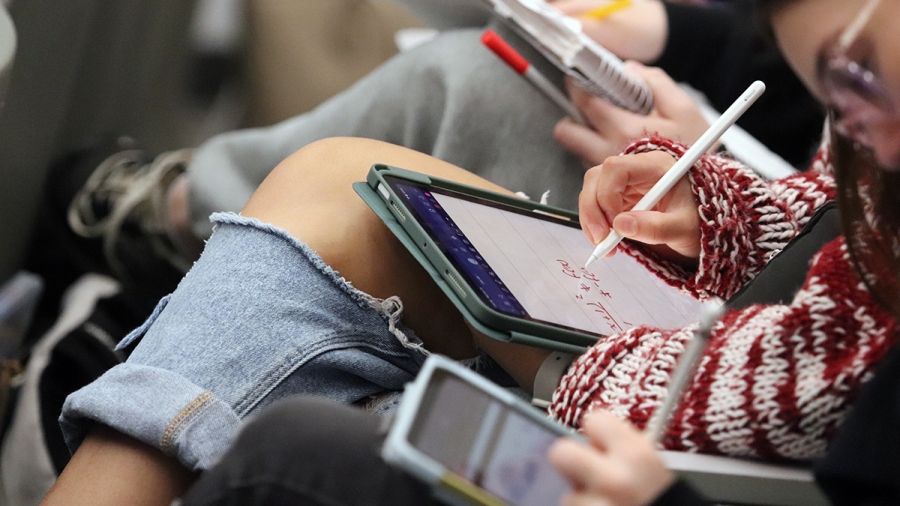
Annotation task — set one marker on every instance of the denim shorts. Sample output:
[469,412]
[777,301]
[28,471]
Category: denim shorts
[260,316]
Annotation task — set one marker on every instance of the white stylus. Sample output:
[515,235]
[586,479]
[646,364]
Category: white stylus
[684,164]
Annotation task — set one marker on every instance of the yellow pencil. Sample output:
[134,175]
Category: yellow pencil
[607,10]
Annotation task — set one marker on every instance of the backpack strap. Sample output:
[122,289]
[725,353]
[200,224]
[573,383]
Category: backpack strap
[780,280]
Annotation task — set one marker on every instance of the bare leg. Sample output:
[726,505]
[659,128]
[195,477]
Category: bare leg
[110,468]
[309,195]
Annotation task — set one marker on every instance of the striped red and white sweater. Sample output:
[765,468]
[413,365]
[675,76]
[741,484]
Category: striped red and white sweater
[776,380]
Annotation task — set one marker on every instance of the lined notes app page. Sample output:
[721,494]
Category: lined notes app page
[541,262]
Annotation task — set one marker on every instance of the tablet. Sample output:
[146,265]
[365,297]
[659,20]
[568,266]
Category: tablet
[492,452]
[515,268]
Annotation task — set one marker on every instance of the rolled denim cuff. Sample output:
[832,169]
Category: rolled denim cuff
[259,317]
[157,407]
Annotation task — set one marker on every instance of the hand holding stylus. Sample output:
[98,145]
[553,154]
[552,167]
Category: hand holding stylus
[612,189]
[673,177]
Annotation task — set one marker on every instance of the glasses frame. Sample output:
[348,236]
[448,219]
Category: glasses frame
[856,94]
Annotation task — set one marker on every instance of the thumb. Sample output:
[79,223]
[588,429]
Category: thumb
[652,227]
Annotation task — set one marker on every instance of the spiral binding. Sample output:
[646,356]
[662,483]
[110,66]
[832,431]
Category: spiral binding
[595,68]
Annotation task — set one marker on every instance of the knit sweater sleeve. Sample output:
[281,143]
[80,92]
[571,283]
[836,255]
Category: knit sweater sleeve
[774,382]
[744,219]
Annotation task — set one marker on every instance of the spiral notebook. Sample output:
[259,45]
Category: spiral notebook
[560,39]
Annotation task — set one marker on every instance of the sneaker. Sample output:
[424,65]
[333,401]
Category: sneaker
[105,213]
[126,192]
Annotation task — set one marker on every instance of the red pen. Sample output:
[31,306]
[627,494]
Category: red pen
[525,69]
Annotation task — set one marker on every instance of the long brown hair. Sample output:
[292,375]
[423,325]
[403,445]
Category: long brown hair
[869,199]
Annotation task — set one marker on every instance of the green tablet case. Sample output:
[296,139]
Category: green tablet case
[551,337]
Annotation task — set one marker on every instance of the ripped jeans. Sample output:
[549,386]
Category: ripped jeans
[259,317]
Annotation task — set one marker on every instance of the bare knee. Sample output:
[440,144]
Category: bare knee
[311,191]
[310,195]
[324,171]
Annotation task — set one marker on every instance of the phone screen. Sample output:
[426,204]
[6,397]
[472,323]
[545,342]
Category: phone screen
[529,265]
[487,443]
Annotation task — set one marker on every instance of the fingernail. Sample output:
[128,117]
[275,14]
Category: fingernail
[626,225]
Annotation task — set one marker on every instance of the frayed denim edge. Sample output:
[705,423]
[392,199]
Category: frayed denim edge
[389,309]
[236,219]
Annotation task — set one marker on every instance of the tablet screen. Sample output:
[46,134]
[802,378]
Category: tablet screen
[529,265]
[488,444]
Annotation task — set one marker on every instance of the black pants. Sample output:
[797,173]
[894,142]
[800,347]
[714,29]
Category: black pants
[307,451]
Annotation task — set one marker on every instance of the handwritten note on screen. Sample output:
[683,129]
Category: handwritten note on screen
[540,262]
